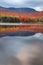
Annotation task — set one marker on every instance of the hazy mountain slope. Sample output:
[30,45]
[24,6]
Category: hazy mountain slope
[19,10]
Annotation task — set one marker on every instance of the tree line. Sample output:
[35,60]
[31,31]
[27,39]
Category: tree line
[17,20]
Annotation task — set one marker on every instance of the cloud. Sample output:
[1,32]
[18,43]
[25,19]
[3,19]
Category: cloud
[36,4]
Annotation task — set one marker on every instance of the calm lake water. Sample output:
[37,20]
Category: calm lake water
[20,50]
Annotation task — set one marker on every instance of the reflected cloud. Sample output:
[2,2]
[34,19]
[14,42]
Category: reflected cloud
[14,51]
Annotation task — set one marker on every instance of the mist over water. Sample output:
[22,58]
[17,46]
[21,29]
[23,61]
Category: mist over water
[18,50]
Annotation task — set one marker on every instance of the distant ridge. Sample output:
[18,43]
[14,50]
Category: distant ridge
[18,10]
[22,13]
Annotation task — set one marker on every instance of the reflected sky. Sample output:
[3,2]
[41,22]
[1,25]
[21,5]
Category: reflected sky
[17,50]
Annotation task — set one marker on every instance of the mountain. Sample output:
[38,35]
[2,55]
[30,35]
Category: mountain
[18,10]
[22,10]
[21,13]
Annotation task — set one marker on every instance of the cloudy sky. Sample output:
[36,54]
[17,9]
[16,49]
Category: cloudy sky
[36,4]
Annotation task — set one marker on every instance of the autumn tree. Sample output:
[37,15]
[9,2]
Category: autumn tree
[30,21]
[9,19]
[41,19]
[16,20]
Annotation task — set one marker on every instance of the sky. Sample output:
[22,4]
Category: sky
[35,4]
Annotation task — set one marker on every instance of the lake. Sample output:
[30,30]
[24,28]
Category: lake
[21,50]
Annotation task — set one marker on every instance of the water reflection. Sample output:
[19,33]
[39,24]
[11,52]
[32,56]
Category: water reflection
[21,50]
